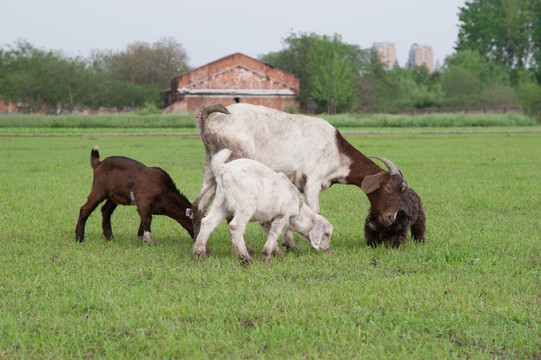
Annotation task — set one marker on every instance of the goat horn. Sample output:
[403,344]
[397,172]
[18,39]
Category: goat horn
[393,169]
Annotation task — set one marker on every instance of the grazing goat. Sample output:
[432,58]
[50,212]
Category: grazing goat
[308,150]
[410,216]
[124,181]
[247,190]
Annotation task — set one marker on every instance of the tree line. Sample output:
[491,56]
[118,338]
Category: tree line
[497,62]
[106,79]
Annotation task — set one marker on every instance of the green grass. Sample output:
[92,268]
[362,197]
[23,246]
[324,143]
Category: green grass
[20,123]
[429,121]
[98,121]
[472,291]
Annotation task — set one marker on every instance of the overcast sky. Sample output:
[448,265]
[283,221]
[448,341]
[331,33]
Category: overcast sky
[210,30]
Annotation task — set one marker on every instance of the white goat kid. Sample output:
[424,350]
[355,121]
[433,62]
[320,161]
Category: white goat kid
[250,191]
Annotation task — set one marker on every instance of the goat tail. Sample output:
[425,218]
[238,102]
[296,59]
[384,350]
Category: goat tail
[218,161]
[95,157]
[202,114]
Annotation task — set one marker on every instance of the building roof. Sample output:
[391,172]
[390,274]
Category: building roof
[237,92]
[214,75]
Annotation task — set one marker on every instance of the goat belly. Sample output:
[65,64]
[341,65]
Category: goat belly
[120,199]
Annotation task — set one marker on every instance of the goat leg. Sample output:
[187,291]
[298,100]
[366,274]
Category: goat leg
[208,224]
[106,212]
[144,228]
[274,230]
[84,213]
[372,237]
[419,227]
[288,242]
[237,226]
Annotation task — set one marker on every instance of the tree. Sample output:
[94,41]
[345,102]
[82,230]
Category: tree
[149,65]
[380,90]
[486,72]
[28,76]
[294,58]
[36,78]
[500,30]
[461,87]
[297,58]
[72,78]
[332,77]
[498,95]
[530,99]
[373,83]
[536,57]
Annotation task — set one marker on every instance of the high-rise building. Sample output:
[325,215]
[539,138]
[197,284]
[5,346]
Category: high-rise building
[386,52]
[422,55]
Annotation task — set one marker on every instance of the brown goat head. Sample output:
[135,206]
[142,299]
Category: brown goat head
[385,191]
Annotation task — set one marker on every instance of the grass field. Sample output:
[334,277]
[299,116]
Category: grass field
[472,291]
[16,123]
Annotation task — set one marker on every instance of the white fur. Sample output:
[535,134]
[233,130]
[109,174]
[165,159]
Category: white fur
[147,238]
[132,198]
[301,147]
[296,145]
[247,190]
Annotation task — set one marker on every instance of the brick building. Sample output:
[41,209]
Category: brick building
[8,107]
[234,78]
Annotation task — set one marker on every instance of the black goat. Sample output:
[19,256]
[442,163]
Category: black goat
[124,181]
[410,216]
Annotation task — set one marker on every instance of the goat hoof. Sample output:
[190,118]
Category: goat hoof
[265,256]
[291,247]
[147,238]
[207,250]
[278,253]
[201,252]
[246,261]
[250,250]
[200,256]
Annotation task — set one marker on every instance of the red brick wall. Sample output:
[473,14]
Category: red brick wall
[236,71]
[191,104]
[5,107]
[270,78]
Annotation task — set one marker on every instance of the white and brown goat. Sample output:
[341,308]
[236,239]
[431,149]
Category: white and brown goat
[309,151]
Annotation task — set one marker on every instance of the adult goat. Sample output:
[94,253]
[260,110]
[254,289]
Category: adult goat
[309,151]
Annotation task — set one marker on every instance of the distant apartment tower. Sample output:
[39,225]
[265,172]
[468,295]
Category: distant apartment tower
[386,52]
[422,55]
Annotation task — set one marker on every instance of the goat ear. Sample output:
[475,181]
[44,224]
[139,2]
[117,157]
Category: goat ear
[371,183]
[189,213]
[316,234]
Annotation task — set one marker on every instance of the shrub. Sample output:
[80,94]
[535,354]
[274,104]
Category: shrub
[530,100]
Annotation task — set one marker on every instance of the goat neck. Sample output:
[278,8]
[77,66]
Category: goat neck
[178,211]
[360,167]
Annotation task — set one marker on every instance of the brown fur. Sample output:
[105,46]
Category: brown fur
[411,216]
[124,181]
[384,191]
